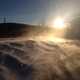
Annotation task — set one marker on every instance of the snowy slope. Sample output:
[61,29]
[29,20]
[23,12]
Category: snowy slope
[50,60]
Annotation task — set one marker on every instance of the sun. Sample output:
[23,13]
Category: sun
[58,23]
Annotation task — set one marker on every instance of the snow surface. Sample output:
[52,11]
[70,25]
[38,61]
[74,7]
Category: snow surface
[50,60]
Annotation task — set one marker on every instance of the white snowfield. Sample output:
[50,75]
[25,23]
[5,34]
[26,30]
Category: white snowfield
[50,60]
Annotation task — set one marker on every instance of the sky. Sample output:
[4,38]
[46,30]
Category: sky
[36,11]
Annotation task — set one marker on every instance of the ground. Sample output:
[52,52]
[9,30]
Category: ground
[49,60]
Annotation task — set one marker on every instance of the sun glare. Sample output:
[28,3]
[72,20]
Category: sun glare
[58,23]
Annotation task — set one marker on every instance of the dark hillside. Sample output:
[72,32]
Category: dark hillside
[12,30]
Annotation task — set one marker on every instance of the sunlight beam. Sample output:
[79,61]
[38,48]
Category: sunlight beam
[58,23]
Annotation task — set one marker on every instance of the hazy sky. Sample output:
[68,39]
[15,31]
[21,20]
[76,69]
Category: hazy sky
[36,11]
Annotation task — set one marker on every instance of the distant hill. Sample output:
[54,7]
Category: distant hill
[15,30]
[11,30]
